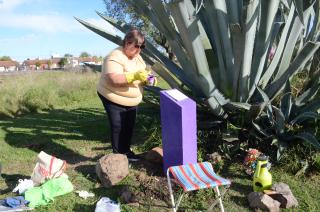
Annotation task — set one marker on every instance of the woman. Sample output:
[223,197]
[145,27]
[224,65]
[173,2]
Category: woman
[120,90]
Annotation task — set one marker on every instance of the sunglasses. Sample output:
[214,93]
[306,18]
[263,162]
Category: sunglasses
[142,46]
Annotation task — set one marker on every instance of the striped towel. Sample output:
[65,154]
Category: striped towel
[197,176]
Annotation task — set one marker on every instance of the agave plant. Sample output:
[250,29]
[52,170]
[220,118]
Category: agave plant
[294,119]
[230,53]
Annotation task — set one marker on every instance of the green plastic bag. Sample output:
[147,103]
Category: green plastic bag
[44,194]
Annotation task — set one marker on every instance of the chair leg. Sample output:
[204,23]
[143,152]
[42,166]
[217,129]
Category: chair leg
[171,193]
[216,189]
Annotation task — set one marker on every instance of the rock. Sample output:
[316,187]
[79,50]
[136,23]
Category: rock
[284,195]
[281,188]
[127,196]
[155,155]
[215,157]
[263,201]
[112,168]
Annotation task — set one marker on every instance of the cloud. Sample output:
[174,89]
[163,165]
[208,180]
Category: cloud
[8,5]
[27,38]
[51,23]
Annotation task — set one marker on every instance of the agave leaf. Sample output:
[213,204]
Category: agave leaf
[316,23]
[263,95]
[308,95]
[281,147]
[108,35]
[207,15]
[286,101]
[238,105]
[309,138]
[262,43]
[299,8]
[188,27]
[222,17]
[289,49]
[233,12]
[304,116]
[260,129]
[299,62]
[256,110]
[154,89]
[266,104]
[164,73]
[279,120]
[250,29]
[238,48]
[172,36]
[285,3]
[312,106]
[216,108]
[123,27]
[275,61]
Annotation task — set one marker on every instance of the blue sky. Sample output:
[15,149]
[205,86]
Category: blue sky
[41,28]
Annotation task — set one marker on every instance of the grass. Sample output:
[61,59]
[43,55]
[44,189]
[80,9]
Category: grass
[78,132]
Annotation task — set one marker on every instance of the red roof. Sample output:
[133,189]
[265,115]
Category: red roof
[87,59]
[34,62]
[8,63]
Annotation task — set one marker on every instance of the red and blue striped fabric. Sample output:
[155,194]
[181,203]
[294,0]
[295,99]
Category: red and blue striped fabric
[197,176]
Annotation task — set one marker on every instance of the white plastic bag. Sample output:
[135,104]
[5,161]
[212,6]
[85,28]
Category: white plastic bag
[107,205]
[23,186]
[47,167]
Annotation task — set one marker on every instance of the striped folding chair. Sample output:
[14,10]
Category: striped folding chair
[194,177]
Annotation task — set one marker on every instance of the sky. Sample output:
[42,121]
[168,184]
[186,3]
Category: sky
[42,28]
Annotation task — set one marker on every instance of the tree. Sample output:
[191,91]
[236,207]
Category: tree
[63,61]
[68,55]
[5,58]
[49,62]
[38,64]
[84,54]
[121,10]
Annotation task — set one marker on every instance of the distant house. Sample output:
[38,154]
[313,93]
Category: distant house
[8,65]
[88,60]
[41,64]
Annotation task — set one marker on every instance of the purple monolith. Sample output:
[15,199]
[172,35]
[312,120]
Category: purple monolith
[179,128]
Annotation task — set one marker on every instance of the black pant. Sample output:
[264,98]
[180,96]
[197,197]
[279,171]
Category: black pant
[122,120]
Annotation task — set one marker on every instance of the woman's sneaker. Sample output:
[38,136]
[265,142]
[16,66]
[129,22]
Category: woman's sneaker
[132,157]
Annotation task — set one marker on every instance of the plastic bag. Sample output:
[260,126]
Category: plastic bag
[107,205]
[47,167]
[24,185]
[48,191]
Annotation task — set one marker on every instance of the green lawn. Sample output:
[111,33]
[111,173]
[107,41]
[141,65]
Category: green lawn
[78,133]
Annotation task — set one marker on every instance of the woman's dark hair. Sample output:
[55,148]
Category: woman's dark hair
[133,36]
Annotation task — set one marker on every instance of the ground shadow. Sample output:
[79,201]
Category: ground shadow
[88,171]
[48,131]
[11,181]
[239,188]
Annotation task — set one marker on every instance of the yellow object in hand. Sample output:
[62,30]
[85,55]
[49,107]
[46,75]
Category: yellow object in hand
[141,75]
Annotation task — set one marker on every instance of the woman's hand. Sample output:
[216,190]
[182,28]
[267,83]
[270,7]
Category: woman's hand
[141,75]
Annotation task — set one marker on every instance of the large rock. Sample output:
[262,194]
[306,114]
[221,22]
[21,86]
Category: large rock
[112,168]
[155,155]
[284,195]
[263,201]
